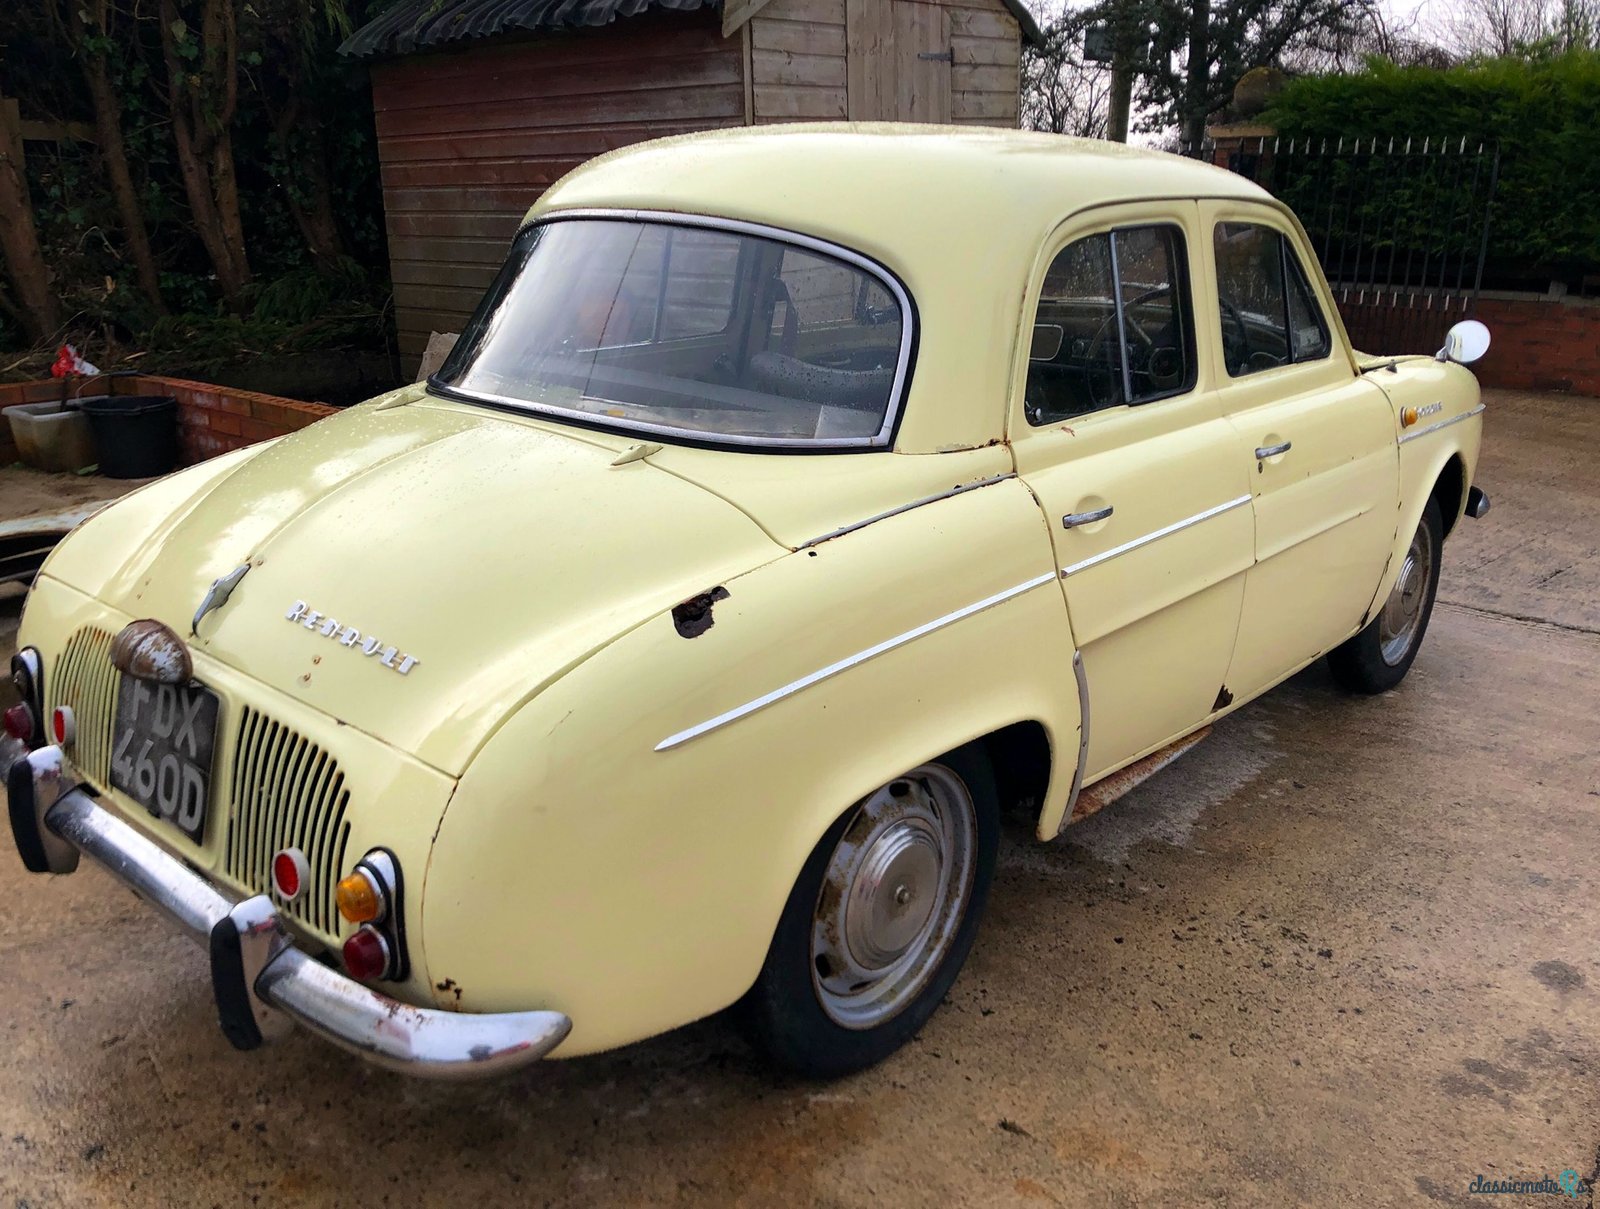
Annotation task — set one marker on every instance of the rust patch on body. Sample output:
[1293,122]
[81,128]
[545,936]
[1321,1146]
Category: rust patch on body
[693,617]
[449,987]
[1102,793]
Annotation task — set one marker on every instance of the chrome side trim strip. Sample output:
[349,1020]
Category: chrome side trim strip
[1095,560]
[1422,432]
[850,661]
[927,499]
[1083,739]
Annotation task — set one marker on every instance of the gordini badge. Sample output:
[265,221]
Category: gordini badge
[349,636]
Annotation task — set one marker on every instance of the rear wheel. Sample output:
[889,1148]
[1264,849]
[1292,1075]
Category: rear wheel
[1379,657]
[881,919]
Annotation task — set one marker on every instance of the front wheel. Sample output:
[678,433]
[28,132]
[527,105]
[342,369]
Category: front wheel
[1379,657]
[880,920]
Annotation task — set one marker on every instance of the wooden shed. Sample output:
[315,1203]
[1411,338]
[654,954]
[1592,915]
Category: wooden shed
[482,104]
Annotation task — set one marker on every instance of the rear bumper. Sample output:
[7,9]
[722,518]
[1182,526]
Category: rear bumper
[261,981]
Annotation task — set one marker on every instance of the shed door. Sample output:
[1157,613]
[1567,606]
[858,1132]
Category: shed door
[899,61]
[922,45]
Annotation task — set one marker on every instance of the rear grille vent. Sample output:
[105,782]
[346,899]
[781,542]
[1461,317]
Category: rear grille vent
[288,793]
[85,681]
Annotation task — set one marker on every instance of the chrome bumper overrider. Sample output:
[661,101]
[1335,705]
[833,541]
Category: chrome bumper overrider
[260,980]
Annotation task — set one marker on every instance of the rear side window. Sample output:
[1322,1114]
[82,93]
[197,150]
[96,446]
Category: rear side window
[1270,317]
[1113,325]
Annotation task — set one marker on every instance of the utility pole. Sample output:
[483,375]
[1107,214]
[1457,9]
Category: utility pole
[1122,51]
[1197,86]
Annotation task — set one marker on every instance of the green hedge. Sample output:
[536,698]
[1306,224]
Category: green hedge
[1545,115]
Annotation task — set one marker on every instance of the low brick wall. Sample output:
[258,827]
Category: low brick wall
[1538,342]
[1541,344]
[211,419]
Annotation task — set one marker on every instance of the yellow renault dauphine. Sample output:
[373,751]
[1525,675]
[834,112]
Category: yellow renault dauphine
[795,500]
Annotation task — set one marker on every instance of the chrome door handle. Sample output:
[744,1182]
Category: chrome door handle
[1073,519]
[1264,452]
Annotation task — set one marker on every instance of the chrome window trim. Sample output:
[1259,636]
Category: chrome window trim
[1095,560]
[1288,255]
[1422,432]
[850,661]
[737,226]
[1158,222]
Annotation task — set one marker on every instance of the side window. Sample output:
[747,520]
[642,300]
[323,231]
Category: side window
[1113,325]
[1269,315]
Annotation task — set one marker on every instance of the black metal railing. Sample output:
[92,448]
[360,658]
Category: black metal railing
[1401,226]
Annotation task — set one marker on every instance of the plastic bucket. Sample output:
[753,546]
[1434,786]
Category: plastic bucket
[48,436]
[137,434]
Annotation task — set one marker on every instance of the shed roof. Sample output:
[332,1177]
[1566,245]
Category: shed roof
[418,25]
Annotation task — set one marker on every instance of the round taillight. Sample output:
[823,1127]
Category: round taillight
[18,721]
[366,954]
[63,726]
[289,873]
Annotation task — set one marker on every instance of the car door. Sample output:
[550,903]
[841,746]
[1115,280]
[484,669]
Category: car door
[1118,433]
[1316,439]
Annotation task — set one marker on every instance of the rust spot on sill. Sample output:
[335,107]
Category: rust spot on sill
[1103,792]
[1224,699]
[450,986]
[693,617]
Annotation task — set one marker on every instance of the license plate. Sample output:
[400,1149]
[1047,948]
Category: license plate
[162,746]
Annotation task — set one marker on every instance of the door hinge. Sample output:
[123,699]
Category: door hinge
[935,56]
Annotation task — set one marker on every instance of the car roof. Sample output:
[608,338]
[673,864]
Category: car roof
[711,168]
[959,213]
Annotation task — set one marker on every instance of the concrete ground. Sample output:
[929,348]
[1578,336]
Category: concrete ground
[1343,953]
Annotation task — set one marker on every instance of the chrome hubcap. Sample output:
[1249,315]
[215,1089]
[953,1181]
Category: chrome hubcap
[893,897]
[1402,612]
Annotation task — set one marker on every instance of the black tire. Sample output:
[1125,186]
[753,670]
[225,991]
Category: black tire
[786,1011]
[1375,660]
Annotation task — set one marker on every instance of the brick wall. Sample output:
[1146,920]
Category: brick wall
[1544,344]
[211,419]
[1538,342]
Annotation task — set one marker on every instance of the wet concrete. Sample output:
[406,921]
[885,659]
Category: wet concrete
[1342,953]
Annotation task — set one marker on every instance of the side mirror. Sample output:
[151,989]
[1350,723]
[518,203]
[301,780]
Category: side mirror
[1464,343]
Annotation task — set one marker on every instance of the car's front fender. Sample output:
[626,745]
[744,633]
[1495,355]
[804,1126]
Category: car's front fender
[1451,431]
